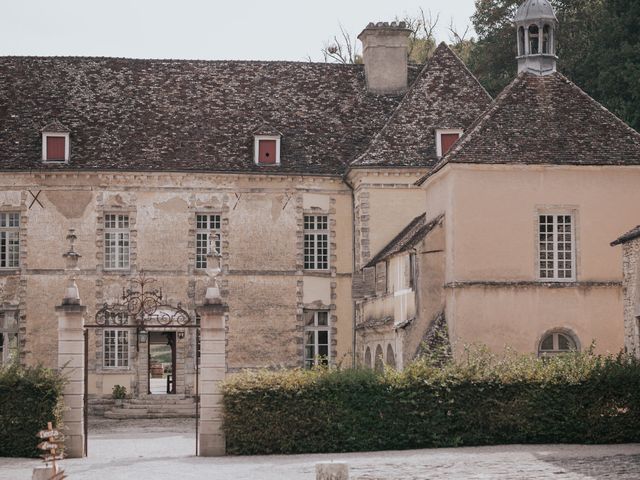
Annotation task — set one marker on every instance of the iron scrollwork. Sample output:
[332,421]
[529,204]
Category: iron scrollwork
[142,307]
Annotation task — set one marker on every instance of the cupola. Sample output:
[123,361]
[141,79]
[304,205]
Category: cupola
[536,23]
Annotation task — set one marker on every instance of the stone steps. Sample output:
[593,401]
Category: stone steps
[153,406]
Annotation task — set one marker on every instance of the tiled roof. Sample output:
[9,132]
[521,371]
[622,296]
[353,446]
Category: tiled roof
[545,120]
[187,115]
[407,238]
[627,237]
[445,95]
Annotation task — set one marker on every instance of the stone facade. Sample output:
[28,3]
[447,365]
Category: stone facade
[263,279]
[631,287]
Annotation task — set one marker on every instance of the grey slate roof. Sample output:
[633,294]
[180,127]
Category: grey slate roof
[545,120]
[445,95]
[627,237]
[187,115]
[407,238]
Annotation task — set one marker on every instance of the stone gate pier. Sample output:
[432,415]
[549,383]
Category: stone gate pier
[213,369]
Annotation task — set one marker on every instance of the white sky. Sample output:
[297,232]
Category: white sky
[201,29]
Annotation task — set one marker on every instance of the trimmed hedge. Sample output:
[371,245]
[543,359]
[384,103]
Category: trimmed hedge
[483,400]
[29,398]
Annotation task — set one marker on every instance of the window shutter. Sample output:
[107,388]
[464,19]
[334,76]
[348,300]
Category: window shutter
[267,151]
[381,278]
[56,148]
[447,140]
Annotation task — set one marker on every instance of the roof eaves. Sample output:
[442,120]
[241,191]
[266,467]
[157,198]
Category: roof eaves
[627,237]
[410,240]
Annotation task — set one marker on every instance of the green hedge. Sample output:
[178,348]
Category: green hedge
[483,400]
[29,398]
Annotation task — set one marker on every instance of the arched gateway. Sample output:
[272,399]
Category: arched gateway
[142,312]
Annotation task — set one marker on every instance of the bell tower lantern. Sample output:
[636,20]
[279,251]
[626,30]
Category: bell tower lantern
[536,25]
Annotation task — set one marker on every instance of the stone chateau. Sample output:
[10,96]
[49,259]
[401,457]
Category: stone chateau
[357,213]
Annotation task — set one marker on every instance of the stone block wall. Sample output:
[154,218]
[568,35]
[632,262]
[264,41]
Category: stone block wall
[631,288]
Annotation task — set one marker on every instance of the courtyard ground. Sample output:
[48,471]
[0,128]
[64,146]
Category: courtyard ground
[164,449]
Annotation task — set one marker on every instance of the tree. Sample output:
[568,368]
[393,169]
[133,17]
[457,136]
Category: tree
[598,49]
[343,47]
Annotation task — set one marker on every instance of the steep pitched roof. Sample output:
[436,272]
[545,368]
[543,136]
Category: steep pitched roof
[627,237]
[545,120]
[407,238]
[187,115]
[445,95]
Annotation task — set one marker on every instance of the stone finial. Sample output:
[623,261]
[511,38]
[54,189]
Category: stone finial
[71,294]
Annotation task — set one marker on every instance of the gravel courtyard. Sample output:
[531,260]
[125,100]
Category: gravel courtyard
[149,449]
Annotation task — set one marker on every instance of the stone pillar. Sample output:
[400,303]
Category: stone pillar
[71,364]
[213,368]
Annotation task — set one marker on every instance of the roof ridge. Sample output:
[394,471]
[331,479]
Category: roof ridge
[476,125]
[175,60]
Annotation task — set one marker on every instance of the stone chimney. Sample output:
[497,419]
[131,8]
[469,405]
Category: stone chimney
[384,50]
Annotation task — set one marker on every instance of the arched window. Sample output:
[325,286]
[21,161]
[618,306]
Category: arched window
[379,360]
[557,342]
[367,358]
[533,40]
[546,39]
[521,41]
[391,358]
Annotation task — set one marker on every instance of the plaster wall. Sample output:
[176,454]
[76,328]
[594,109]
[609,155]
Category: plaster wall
[494,295]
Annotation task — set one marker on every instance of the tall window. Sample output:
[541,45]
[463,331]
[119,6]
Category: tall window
[8,337]
[116,241]
[116,348]
[9,239]
[533,40]
[207,238]
[316,339]
[556,245]
[316,242]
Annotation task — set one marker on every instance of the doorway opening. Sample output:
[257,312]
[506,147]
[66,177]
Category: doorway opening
[162,363]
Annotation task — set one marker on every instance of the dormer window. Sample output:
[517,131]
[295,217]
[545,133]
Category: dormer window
[267,150]
[55,143]
[445,138]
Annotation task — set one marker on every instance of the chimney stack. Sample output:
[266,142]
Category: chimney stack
[384,51]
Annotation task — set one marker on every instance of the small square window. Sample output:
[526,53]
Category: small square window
[55,147]
[267,150]
[445,139]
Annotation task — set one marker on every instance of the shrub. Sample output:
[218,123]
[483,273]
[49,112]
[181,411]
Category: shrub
[119,392]
[480,400]
[29,398]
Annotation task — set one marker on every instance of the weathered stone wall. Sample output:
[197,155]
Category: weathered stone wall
[263,280]
[631,288]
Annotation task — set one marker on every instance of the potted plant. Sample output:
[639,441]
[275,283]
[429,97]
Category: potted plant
[119,393]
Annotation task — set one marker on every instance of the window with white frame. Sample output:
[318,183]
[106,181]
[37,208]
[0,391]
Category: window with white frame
[116,348]
[266,149]
[445,138]
[556,343]
[556,247]
[316,242]
[55,147]
[9,239]
[116,241]
[316,338]
[207,238]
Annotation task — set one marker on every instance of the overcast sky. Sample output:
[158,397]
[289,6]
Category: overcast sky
[201,29]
